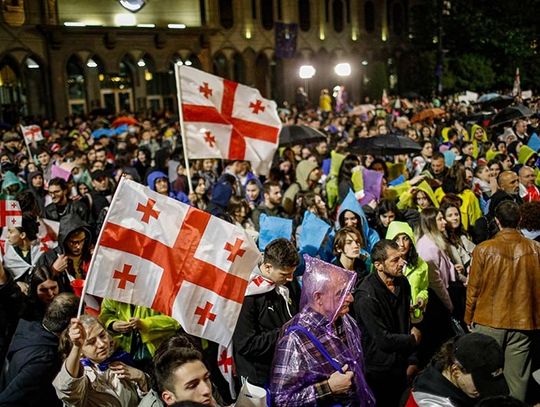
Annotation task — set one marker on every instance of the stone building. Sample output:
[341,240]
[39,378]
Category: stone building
[62,57]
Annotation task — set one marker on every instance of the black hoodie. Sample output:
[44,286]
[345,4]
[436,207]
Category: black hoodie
[33,363]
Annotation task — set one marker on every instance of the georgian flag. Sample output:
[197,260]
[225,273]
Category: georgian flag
[157,252]
[224,119]
[32,133]
[10,214]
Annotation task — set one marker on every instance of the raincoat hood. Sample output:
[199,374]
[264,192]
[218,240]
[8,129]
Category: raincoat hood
[332,281]
[303,169]
[153,177]
[525,154]
[424,187]
[350,203]
[221,194]
[396,228]
[473,131]
[9,180]
[69,224]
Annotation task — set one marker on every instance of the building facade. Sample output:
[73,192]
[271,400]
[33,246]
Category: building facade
[62,57]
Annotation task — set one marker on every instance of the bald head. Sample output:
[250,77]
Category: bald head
[526,176]
[509,182]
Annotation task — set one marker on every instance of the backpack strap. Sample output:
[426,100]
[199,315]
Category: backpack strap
[333,362]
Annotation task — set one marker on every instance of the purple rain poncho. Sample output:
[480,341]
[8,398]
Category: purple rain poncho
[299,367]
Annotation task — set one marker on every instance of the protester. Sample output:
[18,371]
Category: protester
[271,300]
[503,292]
[466,369]
[382,307]
[301,374]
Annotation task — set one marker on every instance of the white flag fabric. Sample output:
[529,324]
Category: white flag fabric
[157,252]
[10,214]
[224,119]
[32,133]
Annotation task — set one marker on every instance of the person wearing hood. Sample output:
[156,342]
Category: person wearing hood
[308,174]
[479,137]
[416,269]
[465,370]
[271,300]
[33,357]
[71,258]
[382,307]
[418,197]
[319,358]
[351,214]
[36,186]
[528,157]
[159,182]
[11,186]
[221,193]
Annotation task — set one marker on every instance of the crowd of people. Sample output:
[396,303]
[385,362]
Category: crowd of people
[407,278]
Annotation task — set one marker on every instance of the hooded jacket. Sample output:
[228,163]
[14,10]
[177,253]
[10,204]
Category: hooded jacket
[39,194]
[406,198]
[156,326]
[525,154]
[221,193]
[33,363]
[155,175]
[303,169]
[9,180]
[478,148]
[68,225]
[416,274]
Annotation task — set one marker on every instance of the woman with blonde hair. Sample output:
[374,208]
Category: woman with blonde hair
[93,372]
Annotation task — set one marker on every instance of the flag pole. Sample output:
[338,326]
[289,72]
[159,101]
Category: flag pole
[90,267]
[182,127]
[26,142]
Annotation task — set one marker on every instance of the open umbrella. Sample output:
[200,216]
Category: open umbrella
[487,97]
[427,114]
[293,135]
[510,114]
[102,132]
[498,102]
[362,109]
[388,144]
[130,121]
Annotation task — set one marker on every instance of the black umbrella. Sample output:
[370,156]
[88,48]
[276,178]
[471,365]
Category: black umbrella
[510,114]
[388,144]
[293,135]
[498,102]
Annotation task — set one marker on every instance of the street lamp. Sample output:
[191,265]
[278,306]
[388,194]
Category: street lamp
[306,72]
[343,69]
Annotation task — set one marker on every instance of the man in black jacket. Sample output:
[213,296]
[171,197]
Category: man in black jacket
[382,306]
[271,300]
[33,357]
[62,205]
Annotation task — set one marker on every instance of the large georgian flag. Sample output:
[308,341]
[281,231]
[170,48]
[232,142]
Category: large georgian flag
[10,214]
[224,119]
[160,253]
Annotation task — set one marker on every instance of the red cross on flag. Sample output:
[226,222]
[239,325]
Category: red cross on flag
[10,214]
[32,133]
[157,252]
[224,119]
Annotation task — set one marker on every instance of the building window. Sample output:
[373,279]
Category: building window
[267,14]
[397,18]
[369,16]
[202,8]
[337,15]
[254,9]
[326,10]
[226,16]
[279,10]
[304,15]
[348,10]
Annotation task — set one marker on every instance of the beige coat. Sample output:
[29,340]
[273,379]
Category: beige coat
[95,389]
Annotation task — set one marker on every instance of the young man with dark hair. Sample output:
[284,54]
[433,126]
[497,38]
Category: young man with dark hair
[61,205]
[271,300]
[382,308]
[502,294]
[182,376]
[438,170]
[271,205]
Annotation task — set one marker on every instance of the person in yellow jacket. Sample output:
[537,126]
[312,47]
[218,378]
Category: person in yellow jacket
[416,269]
[527,156]
[419,197]
[126,322]
[478,136]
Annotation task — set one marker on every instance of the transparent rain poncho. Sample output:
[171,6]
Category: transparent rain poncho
[299,366]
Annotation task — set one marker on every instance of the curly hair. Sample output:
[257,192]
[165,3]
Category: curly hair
[530,216]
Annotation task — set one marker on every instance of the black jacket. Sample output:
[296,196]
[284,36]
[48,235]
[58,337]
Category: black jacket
[73,207]
[11,301]
[257,332]
[33,363]
[68,225]
[384,320]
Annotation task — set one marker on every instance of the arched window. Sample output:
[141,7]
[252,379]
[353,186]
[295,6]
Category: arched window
[304,15]
[397,18]
[226,16]
[337,15]
[75,79]
[267,14]
[239,69]
[220,65]
[369,16]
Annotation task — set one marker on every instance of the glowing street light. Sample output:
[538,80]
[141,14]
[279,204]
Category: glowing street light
[306,72]
[343,69]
